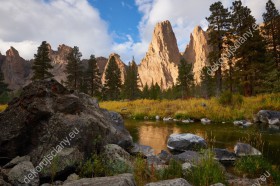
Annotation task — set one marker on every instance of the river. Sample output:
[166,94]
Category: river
[155,134]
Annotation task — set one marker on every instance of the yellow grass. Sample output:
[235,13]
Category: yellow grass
[3,107]
[192,108]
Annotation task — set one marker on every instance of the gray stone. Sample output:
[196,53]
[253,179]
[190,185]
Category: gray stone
[183,142]
[142,150]
[243,149]
[46,113]
[119,180]
[192,157]
[218,184]
[16,161]
[154,160]
[246,182]
[173,182]
[72,177]
[115,154]
[66,159]
[3,183]
[268,116]
[18,175]
[165,156]
[224,155]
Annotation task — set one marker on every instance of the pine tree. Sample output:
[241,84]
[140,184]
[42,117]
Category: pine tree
[155,91]
[207,83]
[131,88]
[271,31]
[185,78]
[146,92]
[250,54]
[219,25]
[74,69]
[93,77]
[113,81]
[42,63]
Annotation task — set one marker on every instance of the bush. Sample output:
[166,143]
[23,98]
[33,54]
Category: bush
[252,166]
[207,172]
[174,170]
[227,98]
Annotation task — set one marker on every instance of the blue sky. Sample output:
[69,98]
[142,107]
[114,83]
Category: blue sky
[122,18]
[101,27]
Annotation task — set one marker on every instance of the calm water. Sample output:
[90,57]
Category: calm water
[155,134]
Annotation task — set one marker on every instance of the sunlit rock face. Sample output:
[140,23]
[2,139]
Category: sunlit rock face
[160,65]
[197,51]
[120,64]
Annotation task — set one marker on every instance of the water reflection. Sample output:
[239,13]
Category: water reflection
[155,134]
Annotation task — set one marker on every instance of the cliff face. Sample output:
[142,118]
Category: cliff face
[120,64]
[101,63]
[161,61]
[197,51]
[15,69]
[59,61]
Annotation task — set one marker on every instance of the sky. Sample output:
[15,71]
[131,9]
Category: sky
[101,27]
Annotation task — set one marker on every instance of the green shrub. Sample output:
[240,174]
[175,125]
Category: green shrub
[256,166]
[208,171]
[141,172]
[174,170]
[252,166]
[93,167]
[117,167]
[225,98]
[229,99]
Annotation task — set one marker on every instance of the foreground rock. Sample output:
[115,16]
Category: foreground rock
[243,149]
[268,116]
[188,156]
[142,150]
[119,180]
[18,174]
[173,182]
[47,118]
[223,155]
[184,142]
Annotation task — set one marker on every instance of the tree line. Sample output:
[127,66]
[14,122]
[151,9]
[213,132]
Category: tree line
[246,65]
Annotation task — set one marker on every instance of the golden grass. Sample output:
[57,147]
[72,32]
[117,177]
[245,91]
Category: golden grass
[3,107]
[192,108]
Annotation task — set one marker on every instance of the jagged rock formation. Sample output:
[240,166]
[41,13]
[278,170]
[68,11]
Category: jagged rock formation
[161,61]
[59,61]
[197,51]
[101,63]
[16,70]
[120,64]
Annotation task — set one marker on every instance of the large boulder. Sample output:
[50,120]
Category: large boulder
[268,116]
[184,142]
[173,182]
[188,156]
[19,174]
[243,149]
[119,180]
[46,116]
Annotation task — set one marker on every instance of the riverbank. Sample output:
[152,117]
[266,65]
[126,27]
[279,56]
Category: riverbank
[195,108]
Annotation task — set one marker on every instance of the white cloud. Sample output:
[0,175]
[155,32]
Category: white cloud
[184,15]
[25,24]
